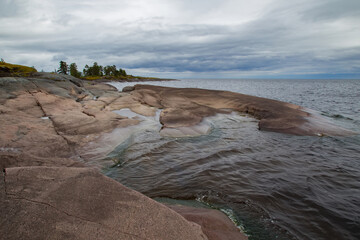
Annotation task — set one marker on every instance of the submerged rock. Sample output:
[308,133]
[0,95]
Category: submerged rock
[214,223]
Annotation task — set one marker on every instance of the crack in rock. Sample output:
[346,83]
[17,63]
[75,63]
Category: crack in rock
[107,104]
[52,122]
[4,175]
[89,114]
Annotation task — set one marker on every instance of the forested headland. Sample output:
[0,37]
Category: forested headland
[96,71]
[91,73]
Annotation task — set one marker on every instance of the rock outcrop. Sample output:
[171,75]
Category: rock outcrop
[187,107]
[47,191]
[215,224]
[81,203]
[51,118]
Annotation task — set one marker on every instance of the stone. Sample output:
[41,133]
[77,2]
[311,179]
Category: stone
[215,224]
[128,89]
[81,203]
[185,107]
[47,189]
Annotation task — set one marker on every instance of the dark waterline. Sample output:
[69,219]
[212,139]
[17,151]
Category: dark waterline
[279,186]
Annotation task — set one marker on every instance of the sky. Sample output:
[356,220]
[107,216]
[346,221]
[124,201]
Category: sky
[187,38]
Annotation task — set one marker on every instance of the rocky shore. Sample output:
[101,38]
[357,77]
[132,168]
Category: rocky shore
[188,107]
[51,191]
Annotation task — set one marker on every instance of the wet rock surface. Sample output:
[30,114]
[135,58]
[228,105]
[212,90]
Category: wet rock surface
[47,191]
[188,106]
[50,118]
[215,224]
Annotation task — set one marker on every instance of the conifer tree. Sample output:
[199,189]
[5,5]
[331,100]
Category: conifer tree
[63,69]
[74,71]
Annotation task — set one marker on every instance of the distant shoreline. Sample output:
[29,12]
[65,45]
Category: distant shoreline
[136,79]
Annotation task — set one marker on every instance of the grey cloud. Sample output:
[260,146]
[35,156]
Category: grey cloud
[58,58]
[332,10]
[279,40]
[8,8]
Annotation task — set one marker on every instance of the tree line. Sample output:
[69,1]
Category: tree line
[94,70]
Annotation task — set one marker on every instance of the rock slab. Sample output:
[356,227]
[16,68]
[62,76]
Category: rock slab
[46,189]
[214,223]
[81,203]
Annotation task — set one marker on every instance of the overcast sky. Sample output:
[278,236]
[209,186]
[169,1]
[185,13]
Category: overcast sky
[187,38]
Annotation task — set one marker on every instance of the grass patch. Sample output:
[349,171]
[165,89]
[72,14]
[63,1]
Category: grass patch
[92,78]
[16,70]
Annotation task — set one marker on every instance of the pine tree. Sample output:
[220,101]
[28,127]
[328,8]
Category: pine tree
[94,70]
[74,71]
[63,69]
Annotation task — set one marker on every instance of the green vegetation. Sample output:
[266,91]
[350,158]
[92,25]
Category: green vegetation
[63,69]
[97,70]
[93,72]
[15,70]
[90,78]
[74,71]
[112,71]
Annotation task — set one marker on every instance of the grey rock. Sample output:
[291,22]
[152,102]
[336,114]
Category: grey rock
[128,89]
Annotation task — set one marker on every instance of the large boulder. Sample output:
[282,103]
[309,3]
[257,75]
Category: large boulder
[81,203]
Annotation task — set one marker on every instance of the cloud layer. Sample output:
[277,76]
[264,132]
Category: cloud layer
[182,38]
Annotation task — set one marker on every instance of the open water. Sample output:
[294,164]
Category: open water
[274,186]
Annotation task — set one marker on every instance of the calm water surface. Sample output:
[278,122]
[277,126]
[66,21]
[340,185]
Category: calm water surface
[277,186]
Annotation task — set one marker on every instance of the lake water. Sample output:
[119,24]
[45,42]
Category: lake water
[275,186]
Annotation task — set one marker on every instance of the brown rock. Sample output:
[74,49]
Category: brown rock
[49,118]
[148,97]
[80,203]
[214,223]
[48,193]
[176,117]
[185,107]
[45,191]
[134,104]
[24,131]
[128,89]
[11,157]
[99,89]
[76,121]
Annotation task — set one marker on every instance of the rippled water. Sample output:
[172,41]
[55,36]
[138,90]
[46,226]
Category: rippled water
[279,186]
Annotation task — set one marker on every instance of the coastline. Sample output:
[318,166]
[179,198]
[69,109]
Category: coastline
[52,121]
[48,189]
[124,79]
[187,107]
